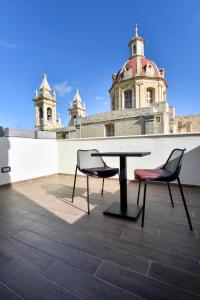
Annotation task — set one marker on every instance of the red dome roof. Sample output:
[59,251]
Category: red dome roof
[132,64]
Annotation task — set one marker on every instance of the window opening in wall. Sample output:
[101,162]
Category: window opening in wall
[128,99]
[134,49]
[75,119]
[41,113]
[49,114]
[149,97]
[110,130]
[158,119]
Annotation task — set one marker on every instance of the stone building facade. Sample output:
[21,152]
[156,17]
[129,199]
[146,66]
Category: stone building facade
[138,102]
[138,98]
[189,123]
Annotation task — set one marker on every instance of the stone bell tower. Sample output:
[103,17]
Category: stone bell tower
[45,107]
[77,109]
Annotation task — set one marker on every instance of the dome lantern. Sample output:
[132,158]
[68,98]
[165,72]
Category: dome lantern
[136,44]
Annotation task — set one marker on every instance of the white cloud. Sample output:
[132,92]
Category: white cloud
[62,88]
[99,98]
[4,44]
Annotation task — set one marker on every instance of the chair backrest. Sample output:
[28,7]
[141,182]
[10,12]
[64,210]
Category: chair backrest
[174,161]
[86,161]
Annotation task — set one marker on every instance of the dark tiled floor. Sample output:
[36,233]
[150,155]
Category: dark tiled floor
[51,249]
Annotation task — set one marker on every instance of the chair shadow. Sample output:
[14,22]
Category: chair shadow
[64,194]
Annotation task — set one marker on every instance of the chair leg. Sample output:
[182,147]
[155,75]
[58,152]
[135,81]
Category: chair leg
[138,196]
[74,185]
[102,187]
[144,199]
[88,201]
[184,202]
[170,193]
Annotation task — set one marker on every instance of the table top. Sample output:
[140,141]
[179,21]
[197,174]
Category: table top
[122,154]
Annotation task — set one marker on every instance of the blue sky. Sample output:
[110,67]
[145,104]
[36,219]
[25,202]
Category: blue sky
[80,43]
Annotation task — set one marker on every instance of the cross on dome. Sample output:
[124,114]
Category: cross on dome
[136,30]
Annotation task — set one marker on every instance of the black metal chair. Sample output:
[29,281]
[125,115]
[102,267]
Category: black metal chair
[167,173]
[92,166]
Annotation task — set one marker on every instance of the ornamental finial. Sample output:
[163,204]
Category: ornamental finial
[136,30]
[36,93]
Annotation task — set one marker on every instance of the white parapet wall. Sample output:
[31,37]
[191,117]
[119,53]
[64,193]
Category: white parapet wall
[159,145]
[28,158]
[31,157]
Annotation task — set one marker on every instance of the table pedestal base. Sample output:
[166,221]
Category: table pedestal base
[133,211]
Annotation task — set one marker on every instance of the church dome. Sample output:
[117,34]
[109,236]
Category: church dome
[138,66]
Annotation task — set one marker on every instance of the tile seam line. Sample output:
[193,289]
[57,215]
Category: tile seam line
[103,244]
[119,249]
[156,280]
[154,248]
[175,287]
[74,266]
[101,280]
[43,276]
[56,259]
[101,263]
[160,249]
[16,293]
[77,248]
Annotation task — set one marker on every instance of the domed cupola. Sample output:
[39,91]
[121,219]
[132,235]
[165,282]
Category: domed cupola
[139,83]
[138,65]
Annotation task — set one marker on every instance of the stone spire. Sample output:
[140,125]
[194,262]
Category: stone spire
[77,109]
[77,98]
[36,93]
[45,87]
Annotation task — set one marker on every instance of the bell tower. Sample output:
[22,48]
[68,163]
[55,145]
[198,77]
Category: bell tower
[45,107]
[77,109]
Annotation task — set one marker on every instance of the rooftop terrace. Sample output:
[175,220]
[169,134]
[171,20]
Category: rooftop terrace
[51,249]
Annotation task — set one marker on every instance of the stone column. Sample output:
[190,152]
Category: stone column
[159,92]
[54,116]
[138,98]
[120,98]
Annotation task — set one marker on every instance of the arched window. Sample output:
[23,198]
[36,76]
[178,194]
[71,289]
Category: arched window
[149,97]
[49,114]
[128,99]
[41,116]
[75,120]
[41,113]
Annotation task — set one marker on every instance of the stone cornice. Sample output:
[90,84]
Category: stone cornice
[134,79]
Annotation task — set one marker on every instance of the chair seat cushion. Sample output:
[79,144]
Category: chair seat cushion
[152,174]
[103,172]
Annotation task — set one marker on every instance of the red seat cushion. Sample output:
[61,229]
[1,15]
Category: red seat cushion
[152,174]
